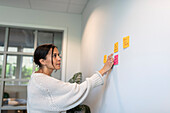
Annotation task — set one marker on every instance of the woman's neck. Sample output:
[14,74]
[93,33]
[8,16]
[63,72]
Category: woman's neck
[44,71]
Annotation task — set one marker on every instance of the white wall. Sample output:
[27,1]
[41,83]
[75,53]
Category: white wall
[34,18]
[140,83]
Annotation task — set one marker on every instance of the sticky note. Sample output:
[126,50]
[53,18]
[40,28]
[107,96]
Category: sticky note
[116,60]
[126,42]
[105,59]
[116,47]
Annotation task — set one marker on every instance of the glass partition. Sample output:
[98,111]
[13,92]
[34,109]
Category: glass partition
[1,63]
[19,66]
[2,38]
[45,37]
[0,85]
[19,63]
[14,111]
[14,95]
[50,37]
[58,40]
[21,40]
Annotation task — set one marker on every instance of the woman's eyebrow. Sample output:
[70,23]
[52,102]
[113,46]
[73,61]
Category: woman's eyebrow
[55,53]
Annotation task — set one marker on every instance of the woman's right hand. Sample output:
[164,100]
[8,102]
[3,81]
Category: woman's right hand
[108,65]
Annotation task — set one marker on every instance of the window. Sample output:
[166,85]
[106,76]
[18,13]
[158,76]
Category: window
[19,67]
[2,38]
[1,62]
[16,94]
[16,62]
[21,39]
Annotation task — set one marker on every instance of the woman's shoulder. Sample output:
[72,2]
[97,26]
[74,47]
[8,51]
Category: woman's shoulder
[43,81]
[42,76]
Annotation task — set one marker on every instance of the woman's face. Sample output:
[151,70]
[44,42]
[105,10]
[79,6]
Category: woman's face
[56,59]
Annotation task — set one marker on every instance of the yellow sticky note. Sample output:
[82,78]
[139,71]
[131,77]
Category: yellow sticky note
[105,59]
[116,47]
[126,42]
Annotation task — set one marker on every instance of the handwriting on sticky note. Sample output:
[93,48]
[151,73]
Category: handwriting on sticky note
[116,47]
[126,42]
[116,60]
[105,59]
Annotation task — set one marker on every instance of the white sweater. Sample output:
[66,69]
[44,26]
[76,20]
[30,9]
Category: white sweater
[46,94]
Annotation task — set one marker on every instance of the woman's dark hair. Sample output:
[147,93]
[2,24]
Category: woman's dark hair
[41,53]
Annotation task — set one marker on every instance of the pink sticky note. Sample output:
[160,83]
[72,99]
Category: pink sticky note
[116,60]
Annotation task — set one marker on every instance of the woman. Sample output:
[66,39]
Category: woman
[49,95]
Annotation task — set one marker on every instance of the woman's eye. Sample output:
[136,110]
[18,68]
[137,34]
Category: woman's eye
[54,55]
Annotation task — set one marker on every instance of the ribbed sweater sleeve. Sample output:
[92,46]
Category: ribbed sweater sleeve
[57,95]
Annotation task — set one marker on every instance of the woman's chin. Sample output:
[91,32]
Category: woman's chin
[58,67]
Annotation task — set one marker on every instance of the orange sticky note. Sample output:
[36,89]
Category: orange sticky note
[105,59]
[126,42]
[116,47]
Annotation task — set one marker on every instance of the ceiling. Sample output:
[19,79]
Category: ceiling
[62,6]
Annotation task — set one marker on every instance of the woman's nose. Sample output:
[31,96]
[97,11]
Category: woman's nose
[59,58]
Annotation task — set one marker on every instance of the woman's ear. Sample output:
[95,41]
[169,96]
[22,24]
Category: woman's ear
[42,61]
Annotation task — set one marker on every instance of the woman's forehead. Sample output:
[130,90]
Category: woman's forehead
[54,51]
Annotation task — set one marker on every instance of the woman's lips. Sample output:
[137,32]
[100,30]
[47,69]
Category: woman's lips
[58,63]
